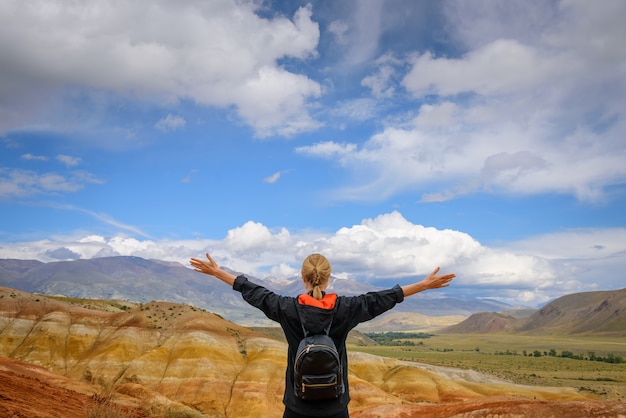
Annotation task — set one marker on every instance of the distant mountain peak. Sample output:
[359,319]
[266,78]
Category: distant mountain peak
[141,280]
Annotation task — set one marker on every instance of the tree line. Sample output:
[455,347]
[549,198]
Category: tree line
[397,338]
[591,355]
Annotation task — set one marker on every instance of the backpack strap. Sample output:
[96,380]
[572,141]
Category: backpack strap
[304,330]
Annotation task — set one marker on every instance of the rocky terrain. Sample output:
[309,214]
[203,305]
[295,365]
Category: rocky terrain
[72,356]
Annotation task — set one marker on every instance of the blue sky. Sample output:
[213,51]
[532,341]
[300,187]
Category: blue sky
[487,137]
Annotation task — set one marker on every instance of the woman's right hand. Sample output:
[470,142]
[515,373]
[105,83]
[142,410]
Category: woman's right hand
[210,267]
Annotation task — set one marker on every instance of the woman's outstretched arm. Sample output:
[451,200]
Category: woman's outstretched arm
[432,281]
[210,267]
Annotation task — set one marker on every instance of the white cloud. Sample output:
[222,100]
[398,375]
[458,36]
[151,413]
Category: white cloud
[583,243]
[273,101]
[188,177]
[392,161]
[380,82]
[476,23]
[68,160]
[362,109]
[34,157]
[284,271]
[327,149]
[502,67]
[254,238]
[273,178]
[170,123]
[459,158]
[518,113]
[111,221]
[27,183]
[212,54]
[442,115]
[363,34]
[388,247]
[339,28]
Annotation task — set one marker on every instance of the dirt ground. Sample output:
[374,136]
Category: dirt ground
[502,408]
[28,391]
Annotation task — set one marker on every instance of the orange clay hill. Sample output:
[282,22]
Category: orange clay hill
[63,357]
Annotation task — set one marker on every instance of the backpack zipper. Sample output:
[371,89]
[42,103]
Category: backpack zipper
[318,385]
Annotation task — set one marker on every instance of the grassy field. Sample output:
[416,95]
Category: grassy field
[523,359]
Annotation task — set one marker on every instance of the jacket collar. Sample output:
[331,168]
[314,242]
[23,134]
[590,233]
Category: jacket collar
[327,302]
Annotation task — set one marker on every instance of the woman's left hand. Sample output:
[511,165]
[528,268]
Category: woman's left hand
[432,281]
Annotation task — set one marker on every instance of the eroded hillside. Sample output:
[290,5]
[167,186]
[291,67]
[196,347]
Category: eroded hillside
[588,313]
[162,353]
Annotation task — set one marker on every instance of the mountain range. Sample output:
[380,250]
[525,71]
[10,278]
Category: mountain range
[598,313]
[140,280]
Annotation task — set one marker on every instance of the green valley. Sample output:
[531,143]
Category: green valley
[523,359]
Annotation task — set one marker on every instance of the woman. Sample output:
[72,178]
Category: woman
[318,311]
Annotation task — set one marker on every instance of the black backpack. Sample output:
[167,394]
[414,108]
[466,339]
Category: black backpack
[317,368]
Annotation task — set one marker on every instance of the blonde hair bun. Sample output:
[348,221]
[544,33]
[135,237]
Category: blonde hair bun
[316,272]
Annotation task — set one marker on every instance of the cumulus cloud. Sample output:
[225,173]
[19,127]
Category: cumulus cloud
[220,54]
[512,114]
[502,67]
[273,101]
[284,271]
[384,250]
[253,239]
[458,159]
